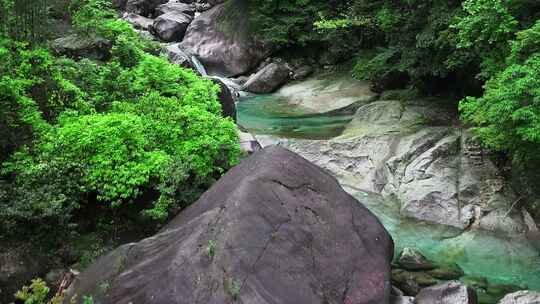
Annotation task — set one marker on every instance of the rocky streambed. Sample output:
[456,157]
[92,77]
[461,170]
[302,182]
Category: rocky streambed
[425,177]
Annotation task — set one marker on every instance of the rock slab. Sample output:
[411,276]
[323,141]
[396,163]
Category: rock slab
[522,297]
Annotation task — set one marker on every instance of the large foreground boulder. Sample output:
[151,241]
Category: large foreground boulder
[221,40]
[274,229]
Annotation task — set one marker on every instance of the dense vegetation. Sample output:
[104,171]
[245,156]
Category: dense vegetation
[435,46]
[79,134]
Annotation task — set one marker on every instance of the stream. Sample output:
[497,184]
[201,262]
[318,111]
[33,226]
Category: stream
[491,261]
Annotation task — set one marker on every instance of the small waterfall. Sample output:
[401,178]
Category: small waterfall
[198,66]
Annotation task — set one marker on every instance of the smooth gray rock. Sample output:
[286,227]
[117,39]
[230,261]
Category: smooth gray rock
[220,38]
[76,46]
[138,21]
[452,292]
[171,26]
[521,297]
[269,79]
[274,229]
[174,7]
[409,151]
[248,143]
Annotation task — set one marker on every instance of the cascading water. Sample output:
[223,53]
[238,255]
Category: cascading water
[199,66]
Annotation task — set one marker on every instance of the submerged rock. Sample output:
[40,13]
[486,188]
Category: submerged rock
[447,272]
[268,79]
[452,292]
[220,38]
[274,229]
[410,282]
[324,94]
[522,297]
[412,259]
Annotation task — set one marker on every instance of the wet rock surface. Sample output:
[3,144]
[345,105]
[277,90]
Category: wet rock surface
[452,292]
[438,173]
[522,297]
[261,234]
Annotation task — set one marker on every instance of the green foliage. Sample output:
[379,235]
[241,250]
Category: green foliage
[485,28]
[36,293]
[155,128]
[288,22]
[24,20]
[507,116]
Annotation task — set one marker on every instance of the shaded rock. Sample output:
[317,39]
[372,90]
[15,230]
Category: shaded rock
[220,38]
[475,282]
[452,292]
[412,259]
[521,297]
[142,7]
[178,56]
[302,72]
[261,234]
[269,79]
[138,21]
[226,99]
[411,282]
[171,26]
[447,272]
[175,7]
[76,46]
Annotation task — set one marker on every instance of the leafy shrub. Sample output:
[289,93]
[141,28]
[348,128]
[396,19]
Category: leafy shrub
[36,293]
[507,116]
[156,127]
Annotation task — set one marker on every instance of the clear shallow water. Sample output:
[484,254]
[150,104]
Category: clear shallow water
[498,258]
[266,114]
